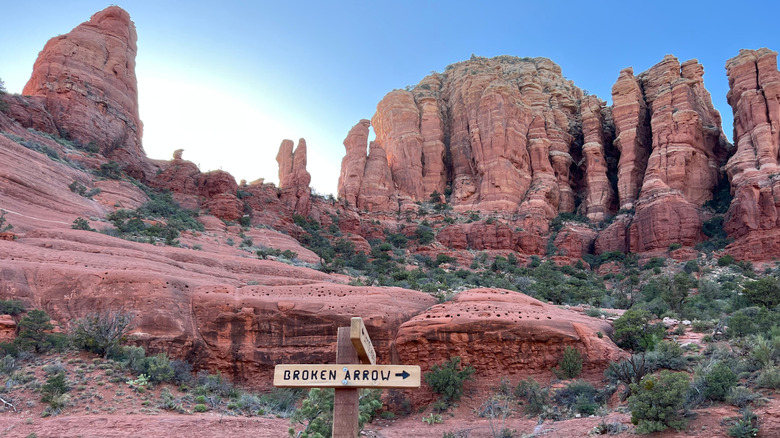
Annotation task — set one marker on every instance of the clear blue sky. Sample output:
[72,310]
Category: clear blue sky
[228,80]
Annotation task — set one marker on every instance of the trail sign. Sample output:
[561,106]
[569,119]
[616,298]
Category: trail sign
[359,337]
[347,376]
[352,346]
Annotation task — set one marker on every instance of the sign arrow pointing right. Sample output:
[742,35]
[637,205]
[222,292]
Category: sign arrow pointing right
[403,374]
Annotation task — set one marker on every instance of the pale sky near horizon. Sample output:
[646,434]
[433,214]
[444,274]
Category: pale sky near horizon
[227,81]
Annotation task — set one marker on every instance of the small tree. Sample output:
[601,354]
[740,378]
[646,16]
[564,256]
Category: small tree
[447,380]
[54,392]
[570,365]
[2,87]
[765,291]
[656,402]
[633,331]
[101,333]
[34,332]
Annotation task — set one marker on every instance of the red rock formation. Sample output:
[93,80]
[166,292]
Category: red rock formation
[354,162]
[377,191]
[179,176]
[682,169]
[397,127]
[615,237]
[599,202]
[496,113]
[501,332]
[87,79]
[30,112]
[7,328]
[426,94]
[575,240]
[629,111]
[685,128]
[198,305]
[753,170]
[294,179]
[215,183]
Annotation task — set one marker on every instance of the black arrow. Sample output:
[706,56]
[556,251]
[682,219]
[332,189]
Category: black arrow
[404,374]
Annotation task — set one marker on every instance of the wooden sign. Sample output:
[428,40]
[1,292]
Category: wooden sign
[347,376]
[359,337]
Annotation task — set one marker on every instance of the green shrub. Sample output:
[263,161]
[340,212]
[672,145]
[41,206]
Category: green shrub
[53,391]
[3,226]
[534,397]
[764,292]
[101,333]
[81,224]
[316,412]
[11,307]
[633,331]
[769,377]
[745,427]
[628,371]
[702,326]
[8,365]
[110,170]
[656,402]
[675,246]
[726,260]
[740,324]
[447,379]
[579,396]
[159,368]
[133,358]
[741,396]
[570,365]
[691,266]
[655,262]
[200,408]
[719,380]
[281,401]
[667,355]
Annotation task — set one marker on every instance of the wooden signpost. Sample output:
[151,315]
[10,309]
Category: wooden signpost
[348,375]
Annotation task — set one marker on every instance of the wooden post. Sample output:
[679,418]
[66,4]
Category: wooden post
[345,403]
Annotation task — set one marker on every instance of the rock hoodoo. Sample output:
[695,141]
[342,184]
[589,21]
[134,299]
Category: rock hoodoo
[294,179]
[86,79]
